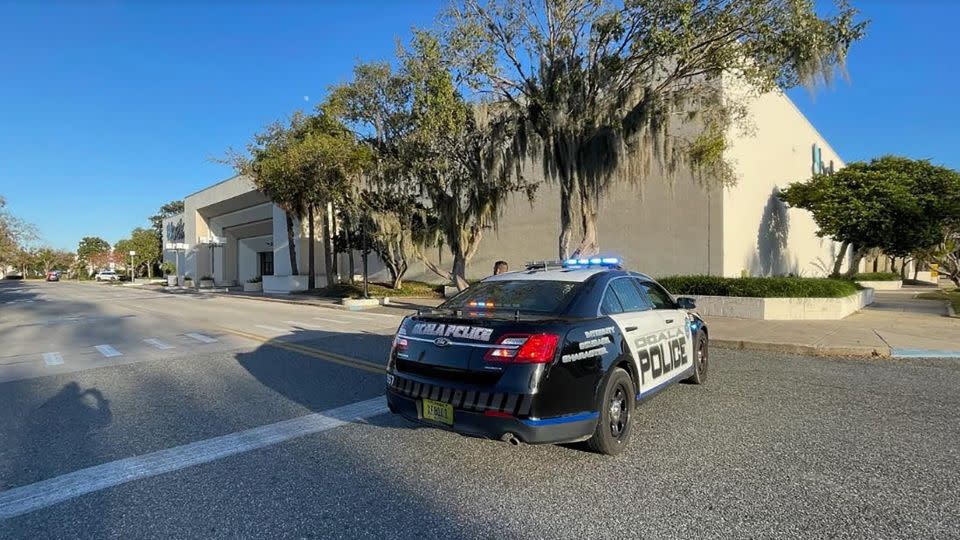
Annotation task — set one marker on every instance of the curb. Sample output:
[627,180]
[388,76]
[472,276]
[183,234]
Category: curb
[796,348]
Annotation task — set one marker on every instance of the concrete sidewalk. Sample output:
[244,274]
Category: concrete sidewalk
[898,324]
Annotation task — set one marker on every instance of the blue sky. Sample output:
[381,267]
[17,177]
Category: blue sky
[110,109]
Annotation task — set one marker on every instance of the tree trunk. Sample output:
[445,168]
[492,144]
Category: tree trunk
[459,273]
[589,245]
[327,247]
[434,268]
[311,269]
[838,262]
[292,246]
[566,223]
[855,263]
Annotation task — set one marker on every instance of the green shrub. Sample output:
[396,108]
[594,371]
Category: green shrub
[413,289]
[876,276]
[759,287]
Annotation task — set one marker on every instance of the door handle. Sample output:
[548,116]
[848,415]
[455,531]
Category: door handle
[631,329]
[669,321]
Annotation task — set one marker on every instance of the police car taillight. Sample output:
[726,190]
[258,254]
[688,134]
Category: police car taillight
[524,348]
[400,344]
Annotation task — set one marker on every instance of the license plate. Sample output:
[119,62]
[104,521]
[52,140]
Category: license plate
[438,411]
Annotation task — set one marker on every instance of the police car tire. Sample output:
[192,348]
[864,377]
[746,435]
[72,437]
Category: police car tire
[701,363]
[603,440]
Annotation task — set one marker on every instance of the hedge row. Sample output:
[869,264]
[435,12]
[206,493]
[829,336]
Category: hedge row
[876,276]
[760,287]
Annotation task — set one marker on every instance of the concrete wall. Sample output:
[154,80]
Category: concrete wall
[783,309]
[762,237]
[658,226]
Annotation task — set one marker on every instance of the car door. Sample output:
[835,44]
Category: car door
[631,311]
[675,324]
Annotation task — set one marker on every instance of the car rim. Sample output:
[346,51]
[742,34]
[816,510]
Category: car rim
[702,358]
[619,413]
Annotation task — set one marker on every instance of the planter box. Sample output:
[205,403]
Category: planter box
[882,285]
[783,309]
[252,287]
[188,283]
[171,281]
[206,283]
[284,284]
[356,304]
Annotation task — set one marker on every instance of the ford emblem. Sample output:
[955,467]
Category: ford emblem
[441,342]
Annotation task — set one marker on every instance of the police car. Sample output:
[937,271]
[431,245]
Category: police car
[559,352]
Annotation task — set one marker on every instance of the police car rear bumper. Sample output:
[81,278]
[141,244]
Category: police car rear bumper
[478,424]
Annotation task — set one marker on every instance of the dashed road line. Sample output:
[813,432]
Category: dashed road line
[307,325]
[272,328]
[158,344]
[201,338]
[32,497]
[52,358]
[334,321]
[107,351]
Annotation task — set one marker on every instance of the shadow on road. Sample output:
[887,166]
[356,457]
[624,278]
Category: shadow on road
[62,429]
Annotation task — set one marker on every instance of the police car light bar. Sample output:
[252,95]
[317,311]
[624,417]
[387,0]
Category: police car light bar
[593,261]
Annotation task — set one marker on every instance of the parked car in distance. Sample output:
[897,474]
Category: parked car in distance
[53,275]
[107,275]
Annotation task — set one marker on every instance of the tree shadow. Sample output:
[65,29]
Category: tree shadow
[772,237]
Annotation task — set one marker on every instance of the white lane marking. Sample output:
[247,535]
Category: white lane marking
[307,325]
[158,344]
[108,351]
[52,358]
[272,328]
[21,500]
[202,338]
[334,321]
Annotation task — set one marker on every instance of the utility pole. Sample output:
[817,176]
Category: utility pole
[132,276]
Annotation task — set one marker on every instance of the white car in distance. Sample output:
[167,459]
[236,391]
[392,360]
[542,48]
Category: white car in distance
[107,275]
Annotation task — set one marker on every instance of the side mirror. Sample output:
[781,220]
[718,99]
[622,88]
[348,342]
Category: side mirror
[685,302]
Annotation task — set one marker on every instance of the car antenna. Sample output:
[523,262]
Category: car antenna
[516,315]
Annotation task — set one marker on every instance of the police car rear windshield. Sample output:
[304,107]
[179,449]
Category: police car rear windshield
[527,296]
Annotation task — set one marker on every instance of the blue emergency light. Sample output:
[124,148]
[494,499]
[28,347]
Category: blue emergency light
[594,261]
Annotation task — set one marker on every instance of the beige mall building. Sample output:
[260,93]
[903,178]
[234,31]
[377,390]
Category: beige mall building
[232,232]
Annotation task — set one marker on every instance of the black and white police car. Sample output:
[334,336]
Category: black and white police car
[559,352]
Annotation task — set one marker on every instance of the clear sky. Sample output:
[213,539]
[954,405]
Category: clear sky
[110,109]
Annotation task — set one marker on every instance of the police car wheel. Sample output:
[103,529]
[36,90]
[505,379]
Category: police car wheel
[701,356]
[613,430]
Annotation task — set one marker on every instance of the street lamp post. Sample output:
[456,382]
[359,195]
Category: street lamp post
[363,252]
[133,277]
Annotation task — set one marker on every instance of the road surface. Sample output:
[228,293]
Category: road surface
[141,414]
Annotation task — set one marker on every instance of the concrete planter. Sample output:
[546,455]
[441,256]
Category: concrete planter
[284,284]
[357,304]
[171,281]
[881,285]
[252,287]
[783,309]
[187,282]
[206,283]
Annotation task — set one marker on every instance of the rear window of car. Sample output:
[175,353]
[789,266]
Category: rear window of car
[516,295]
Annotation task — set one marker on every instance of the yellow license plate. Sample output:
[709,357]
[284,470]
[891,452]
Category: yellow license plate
[438,411]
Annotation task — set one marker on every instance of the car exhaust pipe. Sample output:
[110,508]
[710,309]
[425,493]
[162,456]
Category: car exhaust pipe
[510,438]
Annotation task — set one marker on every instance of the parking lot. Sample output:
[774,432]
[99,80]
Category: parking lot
[273,426]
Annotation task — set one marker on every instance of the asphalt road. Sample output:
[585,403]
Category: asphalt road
[771,446]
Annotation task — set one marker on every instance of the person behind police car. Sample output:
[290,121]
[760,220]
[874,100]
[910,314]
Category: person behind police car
[500,267]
